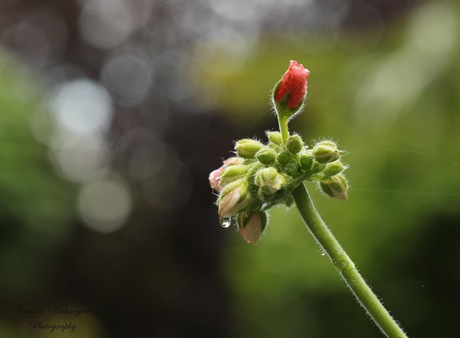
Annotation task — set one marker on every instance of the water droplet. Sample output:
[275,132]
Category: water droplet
[225,222]
[323,253]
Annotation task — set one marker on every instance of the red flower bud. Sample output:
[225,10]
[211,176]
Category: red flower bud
[294,84]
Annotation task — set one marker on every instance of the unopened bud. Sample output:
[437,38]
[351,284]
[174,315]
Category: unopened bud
[247,148]
[275,137]
[294,144]
[233,161]
[326,151]
[252,227]
[317,167]
[269,179]
[233,199]
[215,176]
[232,173]
[306,161]
[284,158]
[214,179]
[334,168]
[266,156]
[336,187]
[290,92]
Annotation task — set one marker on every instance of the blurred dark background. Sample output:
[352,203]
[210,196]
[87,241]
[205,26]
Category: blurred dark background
[113,113]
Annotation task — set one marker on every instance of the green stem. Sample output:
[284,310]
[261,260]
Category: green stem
[283,125]
[345,265]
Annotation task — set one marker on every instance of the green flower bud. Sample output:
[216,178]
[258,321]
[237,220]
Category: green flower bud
[334,168]
[326,151]
[233,199]
[232,173]
[269,179]
[306,161]
[275,147]
[336,187]
[317,167]
[266,156]
[284,158]
[252,227]
[275,137]
[294,144]
[292,169]
[247,148]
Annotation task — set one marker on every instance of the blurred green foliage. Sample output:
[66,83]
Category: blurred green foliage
[35,204]
[396,110]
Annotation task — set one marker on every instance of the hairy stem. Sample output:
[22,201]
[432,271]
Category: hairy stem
[345,265]
[283,125]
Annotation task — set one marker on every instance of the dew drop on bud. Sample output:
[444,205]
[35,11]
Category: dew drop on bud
[225,222]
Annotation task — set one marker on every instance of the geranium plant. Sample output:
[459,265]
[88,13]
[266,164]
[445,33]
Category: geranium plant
[263,175]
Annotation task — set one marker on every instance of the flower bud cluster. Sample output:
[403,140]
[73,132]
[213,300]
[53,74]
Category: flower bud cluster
[263,175]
